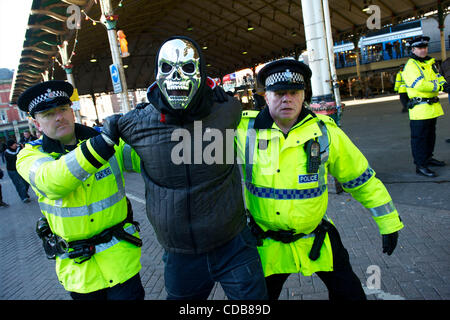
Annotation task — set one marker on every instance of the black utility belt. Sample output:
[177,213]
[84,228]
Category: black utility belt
[418,100]
[84,249]
[288,236]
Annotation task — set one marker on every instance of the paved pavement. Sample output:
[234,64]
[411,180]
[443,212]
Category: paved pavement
[419,269]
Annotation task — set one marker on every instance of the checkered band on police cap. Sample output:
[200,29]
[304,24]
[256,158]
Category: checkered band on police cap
[421,41]
[284,74]
[45,95]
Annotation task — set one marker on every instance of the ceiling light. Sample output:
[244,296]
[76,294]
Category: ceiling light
[189,26]
[125,66]
[249,26]
[93,59]
[205,46]
[244,52]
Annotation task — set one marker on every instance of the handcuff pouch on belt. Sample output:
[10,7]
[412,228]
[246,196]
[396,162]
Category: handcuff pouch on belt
[288,236]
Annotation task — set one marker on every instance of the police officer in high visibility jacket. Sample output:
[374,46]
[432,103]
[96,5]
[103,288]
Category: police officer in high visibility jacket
[77,174]
[423,84]
[288,152]
[400,87]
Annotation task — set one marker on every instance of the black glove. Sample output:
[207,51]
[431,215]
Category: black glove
[219,95]
[142,105]
[446,87]
[389,242]
[111,128]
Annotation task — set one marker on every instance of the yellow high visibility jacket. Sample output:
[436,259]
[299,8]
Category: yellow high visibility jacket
[282,195]
[82,193]
[400,85]
[423,81]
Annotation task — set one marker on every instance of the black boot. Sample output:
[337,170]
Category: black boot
[435,163]
[424,171]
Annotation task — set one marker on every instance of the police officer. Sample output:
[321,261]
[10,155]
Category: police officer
[423,84]
[288,152]
[77,175]
[400,87]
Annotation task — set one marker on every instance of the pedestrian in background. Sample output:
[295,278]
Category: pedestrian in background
[2,204]
[27,137]
[11,157]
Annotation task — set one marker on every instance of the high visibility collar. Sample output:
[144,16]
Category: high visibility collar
[265,121]
[82,133]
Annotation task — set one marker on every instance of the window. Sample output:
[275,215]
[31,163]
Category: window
[3,116]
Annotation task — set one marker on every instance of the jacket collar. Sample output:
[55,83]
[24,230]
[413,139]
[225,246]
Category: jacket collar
[265,121]
[426,59]
[82,133]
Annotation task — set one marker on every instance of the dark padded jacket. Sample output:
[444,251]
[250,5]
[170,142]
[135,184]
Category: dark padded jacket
[193,208]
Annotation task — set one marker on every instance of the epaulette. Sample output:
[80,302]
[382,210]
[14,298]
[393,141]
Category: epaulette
[326,119]
[249,113]
[37,142]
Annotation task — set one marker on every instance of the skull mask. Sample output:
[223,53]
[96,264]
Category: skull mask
[178,75]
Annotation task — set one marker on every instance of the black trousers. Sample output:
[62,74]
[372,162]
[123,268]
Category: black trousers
[423,138]
[131,289]
[342,283]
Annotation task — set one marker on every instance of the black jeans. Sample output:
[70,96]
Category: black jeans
[423,138]
[342,283]
[131,289]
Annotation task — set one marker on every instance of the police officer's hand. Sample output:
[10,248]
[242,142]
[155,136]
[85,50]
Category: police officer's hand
[446,87]
[389,242]
[111,128]
[219,95]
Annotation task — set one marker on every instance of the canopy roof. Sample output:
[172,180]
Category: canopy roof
[221,26]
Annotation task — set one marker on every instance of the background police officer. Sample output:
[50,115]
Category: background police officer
[288,152]
[77,175]
[423,84]
[400,87]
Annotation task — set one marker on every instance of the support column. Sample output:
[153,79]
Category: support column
[441,28]
[313,20]
[330,44]
[110,21]
[67,66]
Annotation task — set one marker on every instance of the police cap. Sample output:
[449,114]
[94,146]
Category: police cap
[284,74]
[419,42]
[44,96]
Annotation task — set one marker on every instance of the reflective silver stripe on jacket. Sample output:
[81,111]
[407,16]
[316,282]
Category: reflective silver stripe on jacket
[74,167]
[34,168]
[94,207]
[249,149]
[104,246]
[127,161]
[324,151]
[383,210]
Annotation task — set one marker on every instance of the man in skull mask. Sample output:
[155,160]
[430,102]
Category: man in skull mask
[196,208]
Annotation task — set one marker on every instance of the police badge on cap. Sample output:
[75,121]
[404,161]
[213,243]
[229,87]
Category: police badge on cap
[284,74]
[44,96]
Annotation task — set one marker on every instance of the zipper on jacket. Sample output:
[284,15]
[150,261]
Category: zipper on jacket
[188,200]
